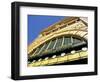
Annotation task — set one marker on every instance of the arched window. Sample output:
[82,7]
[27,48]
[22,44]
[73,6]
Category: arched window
[58,44]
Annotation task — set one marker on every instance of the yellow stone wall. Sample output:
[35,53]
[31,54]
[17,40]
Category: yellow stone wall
[61,59]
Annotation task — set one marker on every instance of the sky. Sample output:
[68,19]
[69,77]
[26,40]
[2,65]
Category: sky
[36,23]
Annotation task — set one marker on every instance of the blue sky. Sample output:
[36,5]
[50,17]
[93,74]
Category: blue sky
[36,23]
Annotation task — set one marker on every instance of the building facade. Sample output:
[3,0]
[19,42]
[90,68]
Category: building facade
[63,43]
